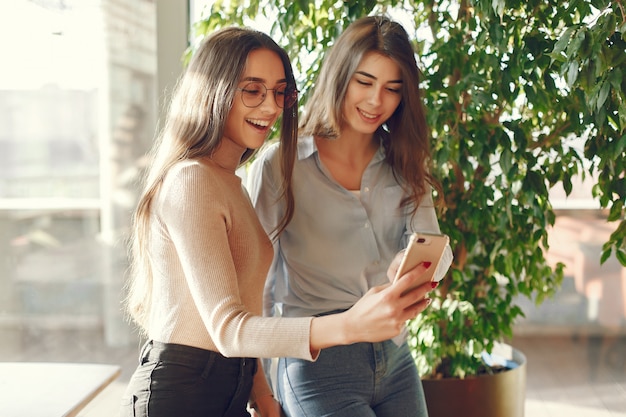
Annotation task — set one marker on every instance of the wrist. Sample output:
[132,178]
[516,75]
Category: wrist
[348,336]
[331,330]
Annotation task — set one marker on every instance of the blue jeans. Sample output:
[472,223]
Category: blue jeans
[359,380]
[183,381]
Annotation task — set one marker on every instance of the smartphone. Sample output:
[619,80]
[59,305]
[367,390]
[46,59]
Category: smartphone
[423,247]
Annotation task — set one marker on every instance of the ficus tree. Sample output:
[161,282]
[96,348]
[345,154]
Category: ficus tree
[521,97]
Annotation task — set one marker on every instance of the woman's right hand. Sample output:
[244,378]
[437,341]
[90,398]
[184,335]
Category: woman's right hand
[379,315]
[383,311]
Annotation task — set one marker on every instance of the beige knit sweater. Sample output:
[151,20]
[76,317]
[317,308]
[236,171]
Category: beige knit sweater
[210,258]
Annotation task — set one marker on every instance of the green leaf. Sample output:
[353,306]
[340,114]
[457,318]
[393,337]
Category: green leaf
[572,73]
[563,41]
[616,211]
[304,6]
[602,95]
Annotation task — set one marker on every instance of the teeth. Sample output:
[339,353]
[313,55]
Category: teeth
[259,122]
[368,115]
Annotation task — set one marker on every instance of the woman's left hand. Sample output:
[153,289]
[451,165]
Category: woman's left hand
[267,406]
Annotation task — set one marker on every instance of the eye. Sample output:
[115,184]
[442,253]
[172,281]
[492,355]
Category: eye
[253,89]
[363,82]
[282,90]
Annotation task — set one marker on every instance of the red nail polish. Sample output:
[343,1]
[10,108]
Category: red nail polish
[426,264]
[434,284]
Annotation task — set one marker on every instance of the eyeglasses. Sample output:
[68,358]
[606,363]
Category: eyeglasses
[254,93]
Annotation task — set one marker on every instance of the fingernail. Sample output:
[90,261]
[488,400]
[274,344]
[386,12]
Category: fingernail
[434,284]
[426,264]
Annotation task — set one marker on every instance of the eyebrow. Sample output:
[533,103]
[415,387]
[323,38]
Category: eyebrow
[368,75]
[261,80]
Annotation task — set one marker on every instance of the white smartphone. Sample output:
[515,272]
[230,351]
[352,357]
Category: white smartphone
[423,247]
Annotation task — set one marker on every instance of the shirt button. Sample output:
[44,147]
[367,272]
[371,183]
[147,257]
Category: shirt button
[366,189]
[366,225]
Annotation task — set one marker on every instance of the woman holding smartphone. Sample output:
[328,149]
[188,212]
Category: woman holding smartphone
[361,187]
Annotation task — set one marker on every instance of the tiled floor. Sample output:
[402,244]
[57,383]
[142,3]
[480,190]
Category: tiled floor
[573,376]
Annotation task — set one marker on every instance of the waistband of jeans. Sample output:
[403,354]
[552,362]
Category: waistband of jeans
[185,355]
[328,313]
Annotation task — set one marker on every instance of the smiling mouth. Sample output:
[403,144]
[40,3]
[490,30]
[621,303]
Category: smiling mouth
[367,115]
[259,123]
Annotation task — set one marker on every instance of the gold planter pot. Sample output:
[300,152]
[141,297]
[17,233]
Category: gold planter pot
[499,395]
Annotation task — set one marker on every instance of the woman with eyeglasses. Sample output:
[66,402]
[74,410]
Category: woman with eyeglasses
[361,187]
[200,255]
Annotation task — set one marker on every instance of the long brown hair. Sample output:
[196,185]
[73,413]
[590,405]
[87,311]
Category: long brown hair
[194,129]
[405,135]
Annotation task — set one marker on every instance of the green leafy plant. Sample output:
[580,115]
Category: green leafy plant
[522,96]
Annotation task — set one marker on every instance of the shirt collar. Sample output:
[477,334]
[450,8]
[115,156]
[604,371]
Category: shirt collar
[307,148]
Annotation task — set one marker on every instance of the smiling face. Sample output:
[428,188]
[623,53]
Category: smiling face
[246,127]
[374,92]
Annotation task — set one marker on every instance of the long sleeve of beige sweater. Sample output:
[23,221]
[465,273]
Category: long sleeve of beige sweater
[210,258]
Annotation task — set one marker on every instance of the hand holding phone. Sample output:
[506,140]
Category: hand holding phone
[423,247]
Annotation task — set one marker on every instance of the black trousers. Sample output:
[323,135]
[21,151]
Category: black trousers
[183,381]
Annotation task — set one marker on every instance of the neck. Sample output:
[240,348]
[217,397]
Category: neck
[227,155]
[355,150]
[346,159]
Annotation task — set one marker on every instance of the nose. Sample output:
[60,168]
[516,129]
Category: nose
[375,96]
[269,104]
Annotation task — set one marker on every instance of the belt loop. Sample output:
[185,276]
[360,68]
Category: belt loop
[248,366]
[242,366]
[255,365]
[209,365]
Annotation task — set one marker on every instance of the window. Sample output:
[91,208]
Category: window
[78,109]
